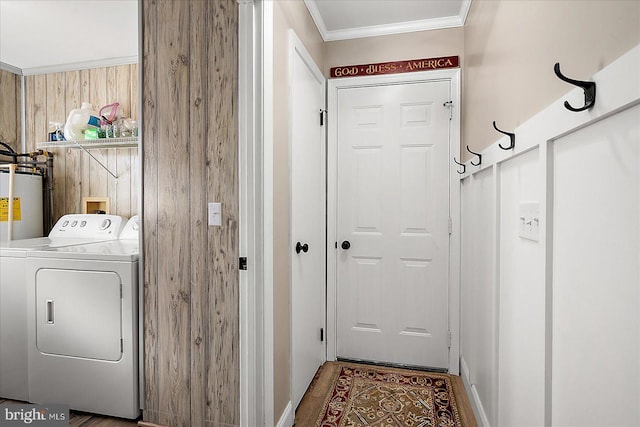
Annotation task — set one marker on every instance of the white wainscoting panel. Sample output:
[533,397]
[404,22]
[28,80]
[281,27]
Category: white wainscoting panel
[522,298]
[550,329]
[596,274]
[479,288]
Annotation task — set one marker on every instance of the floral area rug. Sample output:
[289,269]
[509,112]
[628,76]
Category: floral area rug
[365,395]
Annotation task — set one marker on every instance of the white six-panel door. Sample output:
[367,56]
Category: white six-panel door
[392,223]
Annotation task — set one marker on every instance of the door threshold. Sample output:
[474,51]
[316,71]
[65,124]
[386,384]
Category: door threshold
[394,365]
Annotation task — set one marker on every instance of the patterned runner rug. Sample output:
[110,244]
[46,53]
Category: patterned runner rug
[363,395]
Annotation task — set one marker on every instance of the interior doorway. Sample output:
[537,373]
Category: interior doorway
[393,204]
[308,217]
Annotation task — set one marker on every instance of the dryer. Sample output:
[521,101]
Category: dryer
[82,305]
[72,229]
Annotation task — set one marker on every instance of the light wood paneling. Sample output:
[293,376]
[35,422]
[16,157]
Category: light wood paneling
[98,178]
[200,295]
[50,98]
[133,153]
[72,158]
[190,158]
[222,184]
[150,212]
[39,118]
[54,104]
[10,110]
[85,160]
[174,222]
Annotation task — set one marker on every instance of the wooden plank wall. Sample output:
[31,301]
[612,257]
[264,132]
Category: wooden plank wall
[190,145]
[50,98]
[10,126]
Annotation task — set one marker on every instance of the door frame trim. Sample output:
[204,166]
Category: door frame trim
[296,47]
[255,158]
[453,75]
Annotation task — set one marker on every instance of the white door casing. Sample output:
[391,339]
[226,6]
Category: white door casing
[255,156]
[308,218]
[393,295]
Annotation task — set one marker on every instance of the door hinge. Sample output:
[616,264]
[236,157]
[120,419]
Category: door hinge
[242,265]
[322,114]
[120,290]
[336,245]
[321,334]
[450,225]
[449,339]
[121,345]
[449,105]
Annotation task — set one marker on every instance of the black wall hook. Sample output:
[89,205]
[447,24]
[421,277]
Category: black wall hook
[512,137]
[477,154]
[588,87]
[464,167]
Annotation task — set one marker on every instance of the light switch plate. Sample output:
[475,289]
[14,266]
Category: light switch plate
[529,221]
[215,214]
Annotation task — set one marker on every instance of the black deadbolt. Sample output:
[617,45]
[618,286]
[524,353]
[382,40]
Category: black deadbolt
[300,247]
[346,245]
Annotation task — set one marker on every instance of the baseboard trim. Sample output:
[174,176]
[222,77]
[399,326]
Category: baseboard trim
[286,420]
[476,404]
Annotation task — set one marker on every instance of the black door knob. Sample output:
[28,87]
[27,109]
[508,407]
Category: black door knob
[300,247]
[346,245]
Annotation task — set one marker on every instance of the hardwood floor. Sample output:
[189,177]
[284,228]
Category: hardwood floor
[81,419]
[315,396]
[306,414]
[86,420]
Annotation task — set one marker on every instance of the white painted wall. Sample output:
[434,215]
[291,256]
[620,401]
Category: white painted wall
[551,329]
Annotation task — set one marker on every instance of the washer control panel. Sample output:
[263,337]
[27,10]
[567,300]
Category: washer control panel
[88,226]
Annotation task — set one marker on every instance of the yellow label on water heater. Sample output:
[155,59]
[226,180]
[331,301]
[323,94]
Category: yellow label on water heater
[4,209]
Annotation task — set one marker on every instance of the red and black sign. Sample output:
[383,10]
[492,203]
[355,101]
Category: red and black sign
[395,67]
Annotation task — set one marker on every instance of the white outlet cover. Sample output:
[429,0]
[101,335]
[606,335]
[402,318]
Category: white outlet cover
[215,214]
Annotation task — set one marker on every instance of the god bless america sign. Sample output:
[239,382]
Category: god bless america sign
[395,67]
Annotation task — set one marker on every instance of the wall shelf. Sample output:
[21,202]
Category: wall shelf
[91,144]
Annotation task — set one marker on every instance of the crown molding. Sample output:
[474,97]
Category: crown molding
[387,29]
[464,11]
[10,68]
[317,18]
[84,65]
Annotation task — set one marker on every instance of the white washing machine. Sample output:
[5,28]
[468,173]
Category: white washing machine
[82,305]
[74,229]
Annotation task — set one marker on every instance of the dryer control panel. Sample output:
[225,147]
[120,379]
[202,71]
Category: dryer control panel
[105,227]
